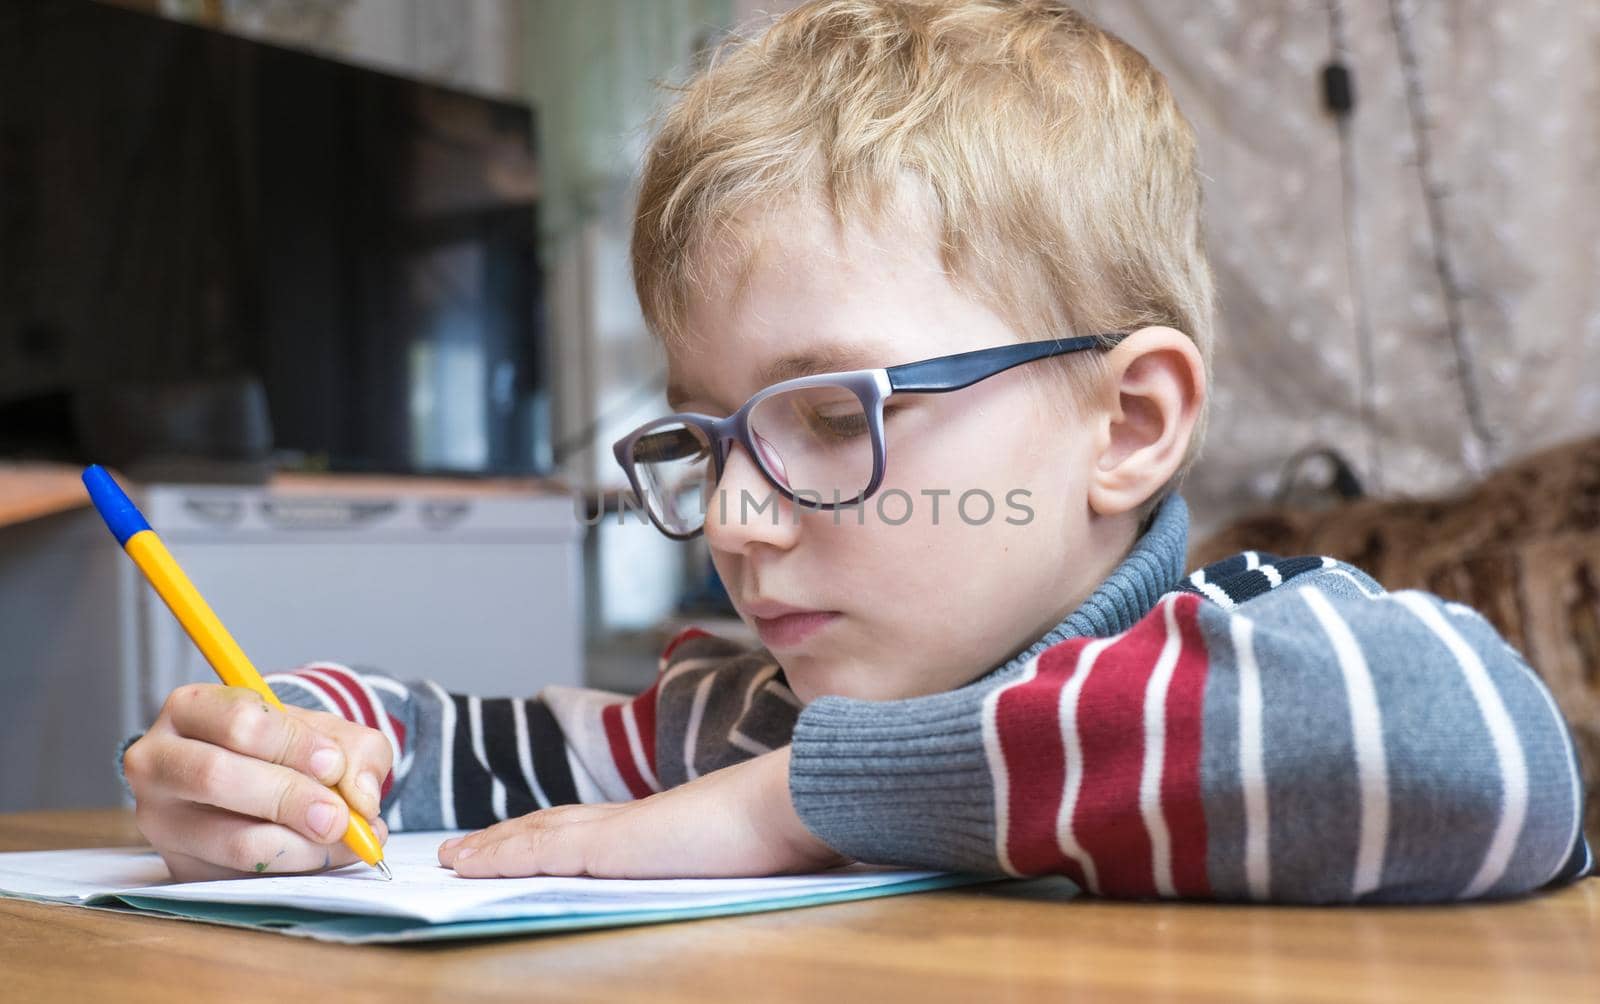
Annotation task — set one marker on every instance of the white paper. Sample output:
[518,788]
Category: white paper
[421,889]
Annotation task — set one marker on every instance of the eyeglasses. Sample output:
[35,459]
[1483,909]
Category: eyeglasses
[818,440]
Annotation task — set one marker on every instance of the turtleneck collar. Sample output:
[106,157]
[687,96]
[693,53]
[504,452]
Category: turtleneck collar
[1153,568]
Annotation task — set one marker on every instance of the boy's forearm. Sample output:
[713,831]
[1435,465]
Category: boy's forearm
[465,762]
[1321,743]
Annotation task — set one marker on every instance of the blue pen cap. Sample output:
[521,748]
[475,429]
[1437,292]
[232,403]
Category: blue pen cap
[122,517]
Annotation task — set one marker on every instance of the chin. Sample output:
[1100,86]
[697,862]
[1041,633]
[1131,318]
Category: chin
[811,679]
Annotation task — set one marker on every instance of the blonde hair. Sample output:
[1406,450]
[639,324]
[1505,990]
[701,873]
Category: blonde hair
[1062,170]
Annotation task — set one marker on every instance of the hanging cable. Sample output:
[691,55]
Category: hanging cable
[1338,95]
[1433,200]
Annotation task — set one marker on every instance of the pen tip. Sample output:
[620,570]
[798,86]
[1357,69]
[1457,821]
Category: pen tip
[383,869]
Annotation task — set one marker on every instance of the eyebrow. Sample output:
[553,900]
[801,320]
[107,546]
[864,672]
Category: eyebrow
[824,359]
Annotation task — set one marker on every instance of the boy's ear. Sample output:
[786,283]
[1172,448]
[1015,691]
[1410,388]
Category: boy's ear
[1155,395]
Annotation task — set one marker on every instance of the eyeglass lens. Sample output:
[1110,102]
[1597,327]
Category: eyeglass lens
[814,442]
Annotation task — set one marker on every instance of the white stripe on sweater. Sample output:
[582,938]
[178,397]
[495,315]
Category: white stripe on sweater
[697,712]
[403,758]
[1366,734]
[389,686]
[997,764]
[497,788]
[584,783]
[1574,774]
[315,688]
[739,740]
[641,762]
[1155,751]
[319,671]
[757,681]
[1502,734]
[320,686]
[737,737]
[1214,593]
[519,716]
[384,725]
[1252,769]
[579,712]
[1072,749]
[398,691]
[447,742]
[783,694]
[1360,586]
[341,679]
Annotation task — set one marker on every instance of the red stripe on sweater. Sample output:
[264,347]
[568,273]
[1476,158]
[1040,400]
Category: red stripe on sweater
[1027,723]
[621,754]
[1107,820]
[1180,774]
[334,693]
[686,634]
[358,694]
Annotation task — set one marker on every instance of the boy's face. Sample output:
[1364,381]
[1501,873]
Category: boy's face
[891,608]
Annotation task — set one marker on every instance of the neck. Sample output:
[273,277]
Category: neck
[1152,567]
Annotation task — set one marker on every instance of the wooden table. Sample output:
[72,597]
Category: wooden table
[30,491]
[33,490]
[1011,942]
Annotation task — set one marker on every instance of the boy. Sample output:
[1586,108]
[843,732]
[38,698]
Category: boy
[902,254]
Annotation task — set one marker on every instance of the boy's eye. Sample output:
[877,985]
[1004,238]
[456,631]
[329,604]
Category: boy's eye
[839,423]
[844,421]
[663,447]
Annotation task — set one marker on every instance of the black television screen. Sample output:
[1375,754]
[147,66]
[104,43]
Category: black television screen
[180,207]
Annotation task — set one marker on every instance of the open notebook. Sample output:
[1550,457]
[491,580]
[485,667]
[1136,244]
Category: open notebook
[426,902]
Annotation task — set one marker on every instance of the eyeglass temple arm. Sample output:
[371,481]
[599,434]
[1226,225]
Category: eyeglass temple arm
[966,368]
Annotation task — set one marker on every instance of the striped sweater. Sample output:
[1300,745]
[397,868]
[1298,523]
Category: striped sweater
[1261,729]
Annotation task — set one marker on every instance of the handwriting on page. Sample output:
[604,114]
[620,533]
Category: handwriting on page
[424,890]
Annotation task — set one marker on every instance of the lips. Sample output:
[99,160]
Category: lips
[783,626]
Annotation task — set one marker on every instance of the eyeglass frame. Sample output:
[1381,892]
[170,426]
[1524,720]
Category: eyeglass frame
[872,387]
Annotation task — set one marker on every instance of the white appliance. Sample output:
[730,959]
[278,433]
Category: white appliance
[482,593]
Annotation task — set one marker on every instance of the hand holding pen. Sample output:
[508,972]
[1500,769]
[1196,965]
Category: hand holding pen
[227,779]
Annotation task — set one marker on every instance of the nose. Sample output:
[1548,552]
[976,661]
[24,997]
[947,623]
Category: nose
[745,510]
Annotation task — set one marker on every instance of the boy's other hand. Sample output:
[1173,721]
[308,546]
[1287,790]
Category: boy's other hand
[738,821]
[226,784]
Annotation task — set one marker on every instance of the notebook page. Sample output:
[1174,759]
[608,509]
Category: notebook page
[79,876]
[424,890]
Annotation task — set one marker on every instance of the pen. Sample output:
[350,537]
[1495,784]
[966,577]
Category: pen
[128,525]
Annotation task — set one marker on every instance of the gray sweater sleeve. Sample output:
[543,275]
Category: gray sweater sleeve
[463,761]
[1286,732]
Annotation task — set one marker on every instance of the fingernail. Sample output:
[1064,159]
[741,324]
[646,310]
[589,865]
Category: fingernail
[320,816]
[325,761]
[466,852]
[449,843]
[367,782]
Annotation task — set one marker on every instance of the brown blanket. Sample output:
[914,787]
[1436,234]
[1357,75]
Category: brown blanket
[1523,547]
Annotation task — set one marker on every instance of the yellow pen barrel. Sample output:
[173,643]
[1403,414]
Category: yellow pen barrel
[192,611]
[219,648]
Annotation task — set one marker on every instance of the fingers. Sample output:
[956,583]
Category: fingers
[241,721]
[551,842]
[339,753]
[173,768]
[201,842]
[226,784]
[368,758]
